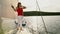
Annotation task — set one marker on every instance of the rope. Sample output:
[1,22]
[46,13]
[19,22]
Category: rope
[42,18]
[37,5]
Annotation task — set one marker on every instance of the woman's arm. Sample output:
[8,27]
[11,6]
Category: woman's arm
[13,8]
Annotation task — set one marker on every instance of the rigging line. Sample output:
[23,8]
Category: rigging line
[37,5]
[37,14]
[42,18]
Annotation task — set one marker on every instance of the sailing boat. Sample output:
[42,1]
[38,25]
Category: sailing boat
[11,14]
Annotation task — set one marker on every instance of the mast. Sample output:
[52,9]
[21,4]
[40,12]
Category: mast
[42,18]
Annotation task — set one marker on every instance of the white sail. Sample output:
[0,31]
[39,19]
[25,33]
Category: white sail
[6,10]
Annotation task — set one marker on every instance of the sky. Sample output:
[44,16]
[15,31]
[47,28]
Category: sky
[44,5]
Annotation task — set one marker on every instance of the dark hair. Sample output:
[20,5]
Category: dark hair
[18,4]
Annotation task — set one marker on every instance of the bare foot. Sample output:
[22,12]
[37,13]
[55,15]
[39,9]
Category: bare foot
[17,28]
[21,28]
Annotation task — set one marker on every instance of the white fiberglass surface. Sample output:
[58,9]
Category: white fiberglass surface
[52,24]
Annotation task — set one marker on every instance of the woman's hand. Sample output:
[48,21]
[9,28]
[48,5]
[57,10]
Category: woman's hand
[24,7]
[12,6]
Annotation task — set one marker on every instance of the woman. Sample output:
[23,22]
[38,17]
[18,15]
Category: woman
[19,10]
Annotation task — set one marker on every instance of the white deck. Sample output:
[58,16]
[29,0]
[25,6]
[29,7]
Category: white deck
[52,24]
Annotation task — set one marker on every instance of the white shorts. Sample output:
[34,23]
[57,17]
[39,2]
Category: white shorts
[20,21]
